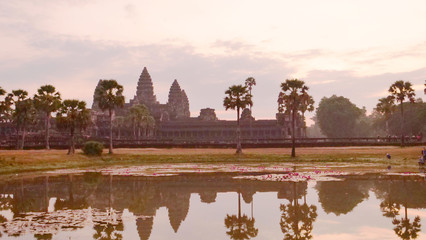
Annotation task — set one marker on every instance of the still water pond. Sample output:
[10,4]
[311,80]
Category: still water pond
[212,206]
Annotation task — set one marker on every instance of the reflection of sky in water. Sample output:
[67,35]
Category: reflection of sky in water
[364,219]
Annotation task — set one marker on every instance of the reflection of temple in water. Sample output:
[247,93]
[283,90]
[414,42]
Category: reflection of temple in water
[109,196]
[142,196]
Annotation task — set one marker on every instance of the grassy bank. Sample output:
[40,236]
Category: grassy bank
[14,161]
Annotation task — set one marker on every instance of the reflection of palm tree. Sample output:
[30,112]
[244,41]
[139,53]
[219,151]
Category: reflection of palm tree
[403,228]
[45,236]
[406,230]
[22,204]
[240,227]
[71,202]
[389,208]
[296,220]
[108,231]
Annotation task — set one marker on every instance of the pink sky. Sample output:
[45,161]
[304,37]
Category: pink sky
[351,48]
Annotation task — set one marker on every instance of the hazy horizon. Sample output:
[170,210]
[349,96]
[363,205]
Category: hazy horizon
[355,49]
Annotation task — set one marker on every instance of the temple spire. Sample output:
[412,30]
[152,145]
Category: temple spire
[145,89]
[178,103]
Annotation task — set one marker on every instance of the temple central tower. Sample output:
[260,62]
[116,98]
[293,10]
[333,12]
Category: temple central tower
[145,90]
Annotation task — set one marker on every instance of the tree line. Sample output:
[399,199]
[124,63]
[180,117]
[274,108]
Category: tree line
[337,116]
[292,100]
[72,115]
[398,114]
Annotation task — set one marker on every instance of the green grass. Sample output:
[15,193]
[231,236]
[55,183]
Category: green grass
[43,160]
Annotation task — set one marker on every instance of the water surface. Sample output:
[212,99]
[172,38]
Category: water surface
[212,206]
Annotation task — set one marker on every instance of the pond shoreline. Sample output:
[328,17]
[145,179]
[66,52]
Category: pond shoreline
[367,159]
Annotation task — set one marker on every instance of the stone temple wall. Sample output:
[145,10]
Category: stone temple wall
[173,119]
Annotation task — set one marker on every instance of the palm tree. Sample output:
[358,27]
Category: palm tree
[297,220]
[72,115]
[238,98]
[119,122]
[386,107]
[399,91]
[109,96]
[47,100]
[250,82]
[290,100]
[147,124]
[138,116]
[307,104]
[240,227]
[23,114]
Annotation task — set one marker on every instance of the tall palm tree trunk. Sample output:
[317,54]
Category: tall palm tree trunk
[24,131]
[47,126]
[239,148]
[139,132]
[402,125]
[18,139]
[387,125]
[251,105]
[293,141]
[110,132]
[134,130]
[71,149]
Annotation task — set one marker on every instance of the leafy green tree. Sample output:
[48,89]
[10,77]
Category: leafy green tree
[5,106]
[337,116]
[307,104]
[400,91]
[47,100]
[238,98]
[148,124]
[386,107]
[23,115]
[292,99]
[140,117]
[249,83]
[119,122]
[109,96]
[72,115]
[414,119]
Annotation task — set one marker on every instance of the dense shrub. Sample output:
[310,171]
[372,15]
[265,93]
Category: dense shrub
[93,148]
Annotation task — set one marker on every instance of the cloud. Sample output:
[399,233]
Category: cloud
[322,82]
[48,43]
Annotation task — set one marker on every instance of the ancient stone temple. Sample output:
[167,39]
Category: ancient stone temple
[178,104]
[174,123]
[145,90]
